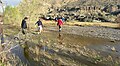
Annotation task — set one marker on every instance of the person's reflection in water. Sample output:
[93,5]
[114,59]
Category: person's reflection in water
[60,38]
[26,50]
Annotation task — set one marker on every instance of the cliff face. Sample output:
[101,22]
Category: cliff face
[89,10]
[81,10]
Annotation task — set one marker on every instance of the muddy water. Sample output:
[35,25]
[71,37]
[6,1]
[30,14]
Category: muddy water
[57,49]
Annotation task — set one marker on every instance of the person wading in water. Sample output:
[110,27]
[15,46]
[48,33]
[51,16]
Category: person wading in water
[40,25]
[59,24]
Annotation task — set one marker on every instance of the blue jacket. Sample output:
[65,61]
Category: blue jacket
[39,23]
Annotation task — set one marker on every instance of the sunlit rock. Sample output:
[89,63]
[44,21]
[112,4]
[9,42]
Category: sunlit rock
[113,49]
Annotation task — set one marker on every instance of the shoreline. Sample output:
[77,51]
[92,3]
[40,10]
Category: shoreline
[90,31]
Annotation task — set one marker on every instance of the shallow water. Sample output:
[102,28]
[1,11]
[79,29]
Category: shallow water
[47,42]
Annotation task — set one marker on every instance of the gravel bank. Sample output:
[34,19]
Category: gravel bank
[100,32]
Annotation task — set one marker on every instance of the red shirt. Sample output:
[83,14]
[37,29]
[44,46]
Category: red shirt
[60,22]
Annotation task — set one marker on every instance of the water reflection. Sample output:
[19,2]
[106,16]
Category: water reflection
[60,38]
[46,42]
[19,51]
[25,49]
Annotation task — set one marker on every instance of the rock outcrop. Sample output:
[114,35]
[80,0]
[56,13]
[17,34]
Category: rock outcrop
[85,11]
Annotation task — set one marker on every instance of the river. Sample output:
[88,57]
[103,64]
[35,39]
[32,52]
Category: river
[52,48]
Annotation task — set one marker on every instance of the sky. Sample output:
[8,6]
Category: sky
[11,2]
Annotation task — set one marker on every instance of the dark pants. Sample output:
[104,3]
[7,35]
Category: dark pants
[59,28]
